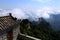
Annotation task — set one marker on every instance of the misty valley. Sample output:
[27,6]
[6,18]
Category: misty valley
[40,29]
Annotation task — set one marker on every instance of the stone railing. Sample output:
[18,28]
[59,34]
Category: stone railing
[26,37]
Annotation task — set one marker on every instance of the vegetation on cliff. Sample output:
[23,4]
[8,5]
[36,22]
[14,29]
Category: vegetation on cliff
[40,29]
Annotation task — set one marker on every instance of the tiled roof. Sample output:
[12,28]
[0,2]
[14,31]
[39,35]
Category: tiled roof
[7,23]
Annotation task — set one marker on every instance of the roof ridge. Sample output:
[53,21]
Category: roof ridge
[4,16]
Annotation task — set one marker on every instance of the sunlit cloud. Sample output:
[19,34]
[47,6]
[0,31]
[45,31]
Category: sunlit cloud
[3,12]
[44,12]
[19,13]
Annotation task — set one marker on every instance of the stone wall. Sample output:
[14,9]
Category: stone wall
[15,33]
[26,37]
[3,37]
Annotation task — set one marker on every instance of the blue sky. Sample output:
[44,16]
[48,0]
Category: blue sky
[30,8]
[29,4]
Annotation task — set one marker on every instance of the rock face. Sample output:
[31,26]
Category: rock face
[9,28]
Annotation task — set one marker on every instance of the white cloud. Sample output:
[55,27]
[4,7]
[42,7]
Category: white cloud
[58,10]
[44,12]
[3,12]
[19,13]
[42,0]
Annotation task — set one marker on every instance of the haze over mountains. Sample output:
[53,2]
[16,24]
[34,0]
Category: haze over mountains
[52,16]
[55,21]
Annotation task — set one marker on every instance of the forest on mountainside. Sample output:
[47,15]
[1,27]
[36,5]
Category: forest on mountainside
[40,29]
